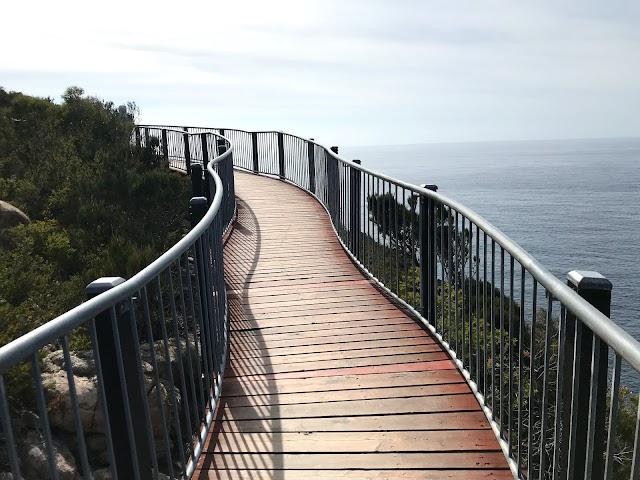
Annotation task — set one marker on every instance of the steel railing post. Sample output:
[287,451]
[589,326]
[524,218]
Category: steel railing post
[281,166]
[333,185]
[584,396]
[197,209]
[428,257]
[126,463]
[165,145]
[311,148]
[205,150]
[196,180]
[254,151]
[187,152]
[354,214]
[222,146]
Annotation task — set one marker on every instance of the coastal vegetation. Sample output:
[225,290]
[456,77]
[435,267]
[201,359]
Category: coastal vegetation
[98,206]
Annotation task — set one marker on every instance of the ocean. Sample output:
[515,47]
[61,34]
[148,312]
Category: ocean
[572,204]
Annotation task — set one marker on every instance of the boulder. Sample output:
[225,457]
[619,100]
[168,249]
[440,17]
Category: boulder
[56,387]
[35,463]
[11,216]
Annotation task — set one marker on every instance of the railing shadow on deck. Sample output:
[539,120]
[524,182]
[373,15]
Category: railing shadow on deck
[256,385]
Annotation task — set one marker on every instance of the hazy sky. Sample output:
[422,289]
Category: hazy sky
[347,72]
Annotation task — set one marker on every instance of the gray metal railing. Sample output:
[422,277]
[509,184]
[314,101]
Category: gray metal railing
[137,368]
[543,362]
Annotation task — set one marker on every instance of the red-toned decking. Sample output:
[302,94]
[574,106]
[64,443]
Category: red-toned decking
[327,377]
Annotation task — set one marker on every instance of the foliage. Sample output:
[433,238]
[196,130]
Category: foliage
[399,224]
[99,206]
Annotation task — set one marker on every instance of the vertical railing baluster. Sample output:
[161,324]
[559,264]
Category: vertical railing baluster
[311,154]
[613,416]
[77,420]
[281,165]
[187,152]
[45,427]
[7,430]
[355,210]
[165,145]
[532,380]
[254,152]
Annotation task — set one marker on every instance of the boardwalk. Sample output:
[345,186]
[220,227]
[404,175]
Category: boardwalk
[327,377]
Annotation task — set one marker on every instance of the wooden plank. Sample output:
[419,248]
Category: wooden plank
[470,420]
[338,354]
[251,350]
[260,366]
[315,330]
[345,395]
[368,461]
[329,317]
[396,474]
[368,370]
[355,442]
[351,408]
[323,309]
[338,325]
[294,341]
[393,381]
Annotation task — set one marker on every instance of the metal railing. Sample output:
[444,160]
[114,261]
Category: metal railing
[544,363]
[137,368]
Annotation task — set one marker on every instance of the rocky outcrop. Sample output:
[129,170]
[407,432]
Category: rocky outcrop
[60,412]
[11,216]
[35,463]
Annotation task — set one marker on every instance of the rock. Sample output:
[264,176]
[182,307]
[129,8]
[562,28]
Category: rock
[97,449]
[56,387]
[174,360]
[8,476]
[34,458]
[102,474]
[82,363]
[11,216]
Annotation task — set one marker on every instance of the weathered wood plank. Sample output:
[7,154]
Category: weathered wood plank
[354,474]
[471,420]
[367,461]
[394,382]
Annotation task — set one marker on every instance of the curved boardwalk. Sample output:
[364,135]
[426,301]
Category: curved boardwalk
[327,377]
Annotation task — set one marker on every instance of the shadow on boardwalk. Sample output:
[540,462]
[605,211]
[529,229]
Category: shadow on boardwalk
[327,377]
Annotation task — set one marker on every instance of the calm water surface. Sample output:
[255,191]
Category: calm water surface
[572,204]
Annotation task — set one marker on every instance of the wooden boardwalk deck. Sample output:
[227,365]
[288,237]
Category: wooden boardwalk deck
[327,377]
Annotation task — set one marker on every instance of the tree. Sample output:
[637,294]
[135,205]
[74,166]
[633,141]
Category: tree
[399,224]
